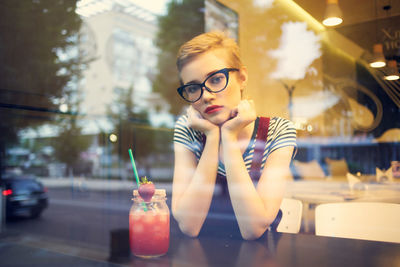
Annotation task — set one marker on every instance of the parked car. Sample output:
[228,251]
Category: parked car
[24,196]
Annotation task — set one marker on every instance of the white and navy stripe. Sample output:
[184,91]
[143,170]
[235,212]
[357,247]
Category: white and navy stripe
[281,133]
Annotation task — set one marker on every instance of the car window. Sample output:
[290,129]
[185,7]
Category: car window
[23,186]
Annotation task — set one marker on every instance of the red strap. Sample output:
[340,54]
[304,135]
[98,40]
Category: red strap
[261,139]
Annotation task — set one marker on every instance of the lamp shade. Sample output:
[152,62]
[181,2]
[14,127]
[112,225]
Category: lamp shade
[333,14]
[392,73]
[378,59]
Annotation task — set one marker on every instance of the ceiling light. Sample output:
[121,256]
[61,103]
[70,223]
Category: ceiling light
[378,60]
[333,14]
[392,72]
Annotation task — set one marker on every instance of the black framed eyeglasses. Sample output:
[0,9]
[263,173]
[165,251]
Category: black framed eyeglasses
[215,83]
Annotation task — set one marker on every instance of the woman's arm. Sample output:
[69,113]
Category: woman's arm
[255,208]
[193,183]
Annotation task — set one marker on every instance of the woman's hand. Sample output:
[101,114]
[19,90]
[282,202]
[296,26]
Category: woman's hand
[197,122]
[241,116]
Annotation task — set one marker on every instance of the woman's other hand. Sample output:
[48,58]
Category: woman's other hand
[241,116]
[197,122]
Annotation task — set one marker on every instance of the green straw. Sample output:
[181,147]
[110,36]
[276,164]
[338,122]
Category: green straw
[134,167]
[136,175]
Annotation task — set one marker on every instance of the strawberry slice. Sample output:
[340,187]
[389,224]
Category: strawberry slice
[146,189]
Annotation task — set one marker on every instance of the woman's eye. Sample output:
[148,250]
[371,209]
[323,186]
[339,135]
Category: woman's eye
[217,79]
[192,89]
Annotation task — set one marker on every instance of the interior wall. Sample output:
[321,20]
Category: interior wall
[279,33]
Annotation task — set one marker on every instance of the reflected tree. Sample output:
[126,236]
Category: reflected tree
[132,128]
[33,34]
[183,21]
[69,144]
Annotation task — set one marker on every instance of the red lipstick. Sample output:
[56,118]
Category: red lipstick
[212,109]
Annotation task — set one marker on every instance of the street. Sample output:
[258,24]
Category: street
[77,218]
[80,221]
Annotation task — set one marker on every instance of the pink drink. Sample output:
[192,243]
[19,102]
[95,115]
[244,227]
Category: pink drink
[149,230]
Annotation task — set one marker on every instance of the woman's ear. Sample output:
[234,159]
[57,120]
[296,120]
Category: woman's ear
[242,80]
[243,77]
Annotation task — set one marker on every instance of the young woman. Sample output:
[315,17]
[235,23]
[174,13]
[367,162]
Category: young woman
[222,141]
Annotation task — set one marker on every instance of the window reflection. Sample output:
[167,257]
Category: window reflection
[99,77]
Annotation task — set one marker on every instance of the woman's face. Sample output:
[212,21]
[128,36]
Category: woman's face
[215,107]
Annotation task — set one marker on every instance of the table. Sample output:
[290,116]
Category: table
[312,193]
[277,249]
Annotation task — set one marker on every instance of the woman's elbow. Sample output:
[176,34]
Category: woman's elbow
[256,231]
[253,235]
[189,231]
[186,227]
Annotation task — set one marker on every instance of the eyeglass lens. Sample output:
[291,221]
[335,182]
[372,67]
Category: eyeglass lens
[214,83]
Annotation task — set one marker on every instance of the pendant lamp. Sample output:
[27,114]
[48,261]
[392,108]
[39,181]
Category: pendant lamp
[378,60]
[392,73]
[333,14]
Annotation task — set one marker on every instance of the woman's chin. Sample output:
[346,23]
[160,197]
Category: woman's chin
[219,120]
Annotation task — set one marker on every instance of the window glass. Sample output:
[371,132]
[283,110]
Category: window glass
[82,82]
[24,187]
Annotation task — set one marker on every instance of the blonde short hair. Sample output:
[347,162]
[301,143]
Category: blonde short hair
[206,42]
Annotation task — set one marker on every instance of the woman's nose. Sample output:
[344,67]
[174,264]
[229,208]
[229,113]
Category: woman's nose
[207,95]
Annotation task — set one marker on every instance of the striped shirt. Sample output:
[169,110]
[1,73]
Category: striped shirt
[281,133]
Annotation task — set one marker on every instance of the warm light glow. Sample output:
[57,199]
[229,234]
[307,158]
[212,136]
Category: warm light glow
[392,77]
[263,3]
[332,21]
[63,108]
[392,73]
[333,14]
[378,60]
[378,64]
[113,138]
[300,123]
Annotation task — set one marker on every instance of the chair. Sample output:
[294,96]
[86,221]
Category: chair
[292,210]
[376,221]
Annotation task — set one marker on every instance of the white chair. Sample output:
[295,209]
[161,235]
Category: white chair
[292,210]
[359,220]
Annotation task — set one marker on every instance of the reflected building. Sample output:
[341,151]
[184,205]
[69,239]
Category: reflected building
[346,115]
[118,39]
